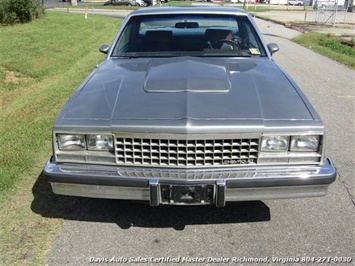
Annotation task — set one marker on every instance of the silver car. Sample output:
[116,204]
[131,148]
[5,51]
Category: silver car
[189,108]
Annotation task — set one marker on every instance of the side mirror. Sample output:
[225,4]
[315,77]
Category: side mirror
[104,48]
[273,48]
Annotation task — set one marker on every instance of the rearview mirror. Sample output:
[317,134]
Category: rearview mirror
[273,48]
[104,48]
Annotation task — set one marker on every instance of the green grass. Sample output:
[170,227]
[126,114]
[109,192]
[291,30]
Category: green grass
[330,46]
[41,65]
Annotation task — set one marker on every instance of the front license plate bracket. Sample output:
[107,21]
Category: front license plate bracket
[187,194]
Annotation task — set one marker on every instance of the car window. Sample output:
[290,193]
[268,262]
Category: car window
[190,35]
[125,39]
[253,42]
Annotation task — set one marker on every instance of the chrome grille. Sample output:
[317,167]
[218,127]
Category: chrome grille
[186,152]
[183,174]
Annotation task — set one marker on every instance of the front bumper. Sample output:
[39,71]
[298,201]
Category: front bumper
[202,186]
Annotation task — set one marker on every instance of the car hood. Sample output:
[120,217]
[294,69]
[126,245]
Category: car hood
[187,88]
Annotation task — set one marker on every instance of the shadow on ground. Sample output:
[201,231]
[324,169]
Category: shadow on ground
[126,214]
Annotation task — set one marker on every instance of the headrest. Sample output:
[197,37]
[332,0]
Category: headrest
[186,25]
[159,34]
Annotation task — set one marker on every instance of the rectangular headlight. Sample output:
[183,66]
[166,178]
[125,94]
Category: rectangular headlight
[100,142]
[71,142]
[274,143]
[304,143]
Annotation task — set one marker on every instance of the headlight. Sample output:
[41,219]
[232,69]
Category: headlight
[304,143]
[100,142]
[274,143]
[71,142]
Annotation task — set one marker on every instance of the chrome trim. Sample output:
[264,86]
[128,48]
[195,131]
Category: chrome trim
[231,195]
[198,174]
[268,193]
[104,192]
[154,191]
[237,184]
[220,197]
[131,174]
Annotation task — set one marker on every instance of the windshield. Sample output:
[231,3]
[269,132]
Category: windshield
[188,35]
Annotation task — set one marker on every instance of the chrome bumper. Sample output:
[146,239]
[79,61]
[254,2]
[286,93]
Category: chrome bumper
[225,185]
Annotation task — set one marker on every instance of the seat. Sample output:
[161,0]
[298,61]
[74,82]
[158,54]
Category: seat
[156,41]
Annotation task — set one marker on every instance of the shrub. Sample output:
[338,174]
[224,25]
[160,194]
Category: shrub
[10,18]
[38,8]
[2,11]
[23,9]
[20,10]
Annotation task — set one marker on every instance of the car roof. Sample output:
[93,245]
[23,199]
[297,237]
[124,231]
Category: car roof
[190,10]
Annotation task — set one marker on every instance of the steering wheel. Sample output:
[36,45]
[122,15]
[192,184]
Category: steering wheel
[235,45]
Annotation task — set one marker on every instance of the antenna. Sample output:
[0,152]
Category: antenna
[94,29]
